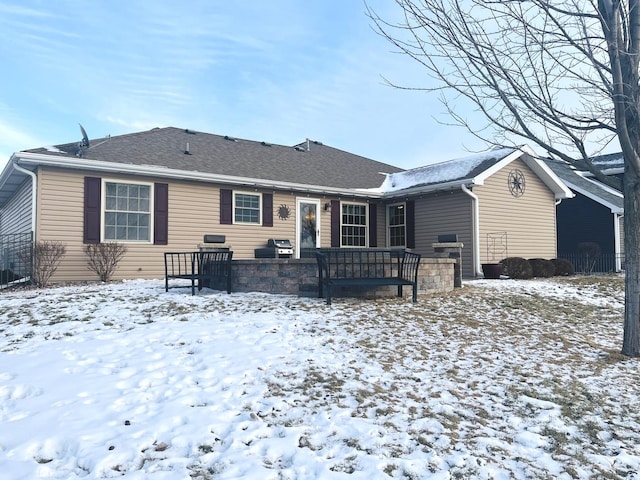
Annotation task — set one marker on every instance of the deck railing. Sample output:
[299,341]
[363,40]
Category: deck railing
[602,263]
[16,258]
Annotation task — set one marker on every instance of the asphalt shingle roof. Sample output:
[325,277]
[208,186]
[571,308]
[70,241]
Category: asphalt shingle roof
[457,170]
[586,186]
[216,154]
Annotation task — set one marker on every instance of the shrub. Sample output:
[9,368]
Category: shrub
[43,261]
[563,267]
[541,267]
[588,253]
[517,267]
[104,258]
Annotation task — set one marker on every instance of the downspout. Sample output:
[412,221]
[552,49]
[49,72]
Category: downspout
[476,230]
[616,241]
[34,190]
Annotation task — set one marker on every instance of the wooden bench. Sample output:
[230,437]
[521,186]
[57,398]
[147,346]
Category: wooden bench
[202,268]
[339,267]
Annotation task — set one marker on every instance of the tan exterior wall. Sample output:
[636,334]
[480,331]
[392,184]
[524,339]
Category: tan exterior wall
[15,216]
[194,210]
[516,226]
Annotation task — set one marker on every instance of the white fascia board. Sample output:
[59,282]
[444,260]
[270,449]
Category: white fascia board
[595,198]
[528,156]
[164,172]
[6,172]
[480,179]
[548,176]
[418,189]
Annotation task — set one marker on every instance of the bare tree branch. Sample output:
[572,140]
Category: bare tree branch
[562,74]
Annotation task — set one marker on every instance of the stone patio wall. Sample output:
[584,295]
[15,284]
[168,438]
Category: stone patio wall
[300,277]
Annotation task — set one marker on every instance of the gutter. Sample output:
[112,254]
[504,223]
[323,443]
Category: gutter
[34,192]
[476,229]
[153,171]
[616,241]
[419,189]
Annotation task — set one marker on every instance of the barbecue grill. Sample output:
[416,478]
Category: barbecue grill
[276,248]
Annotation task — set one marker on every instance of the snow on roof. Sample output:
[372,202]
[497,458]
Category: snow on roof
[449,171]
[53,149]
[611,160]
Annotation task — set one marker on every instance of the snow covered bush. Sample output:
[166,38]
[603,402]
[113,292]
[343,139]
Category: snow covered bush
[104,258]
[517,267]
[542,268]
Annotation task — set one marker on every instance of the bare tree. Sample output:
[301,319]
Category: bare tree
[104,258]
[562,74]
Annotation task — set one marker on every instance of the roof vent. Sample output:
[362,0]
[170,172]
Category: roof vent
[190,132]
[186,150]
[266,144]
[231,139]
[299,148]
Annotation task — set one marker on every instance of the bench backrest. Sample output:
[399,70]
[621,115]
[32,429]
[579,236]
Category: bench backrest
[217,264]
[361,263]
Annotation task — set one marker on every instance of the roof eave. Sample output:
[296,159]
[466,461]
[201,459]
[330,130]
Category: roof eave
[614,208]
[36,159]
[528,156]
[422,189]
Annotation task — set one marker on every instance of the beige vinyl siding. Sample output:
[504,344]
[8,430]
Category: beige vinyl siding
[15,216]
[325,223]
[194,210]
[529,221]
[445,213]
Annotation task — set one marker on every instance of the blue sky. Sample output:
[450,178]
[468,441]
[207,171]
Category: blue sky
[278,71]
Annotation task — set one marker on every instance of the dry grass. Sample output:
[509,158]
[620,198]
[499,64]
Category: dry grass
[438,377]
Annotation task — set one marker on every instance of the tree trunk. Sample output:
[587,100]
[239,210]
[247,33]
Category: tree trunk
[631,339]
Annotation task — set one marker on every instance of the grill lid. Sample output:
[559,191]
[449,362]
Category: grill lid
[279,243]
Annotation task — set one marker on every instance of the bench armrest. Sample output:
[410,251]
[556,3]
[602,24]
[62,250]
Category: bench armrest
[409,266]
[180,263]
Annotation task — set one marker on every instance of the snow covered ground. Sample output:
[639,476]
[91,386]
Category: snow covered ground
[497,380]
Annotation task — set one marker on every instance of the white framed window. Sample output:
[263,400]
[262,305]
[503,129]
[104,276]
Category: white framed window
[397,225]
[353,224]
[127,211]
[247,207]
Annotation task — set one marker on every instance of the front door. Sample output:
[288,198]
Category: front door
[307,224]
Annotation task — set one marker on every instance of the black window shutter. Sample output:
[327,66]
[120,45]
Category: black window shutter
[410,223]
[92,198]
[161,214]
[373,225]
[335,223]
[226,207]
[267,210]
